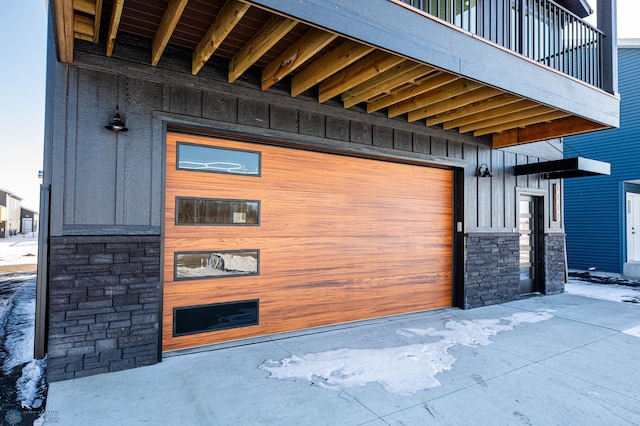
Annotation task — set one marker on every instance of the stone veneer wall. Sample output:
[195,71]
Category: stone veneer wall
[104,304]
[492,270]
[554,263]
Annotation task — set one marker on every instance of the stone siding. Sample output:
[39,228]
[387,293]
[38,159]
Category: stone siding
[492,269]
[554,263]
[104,303]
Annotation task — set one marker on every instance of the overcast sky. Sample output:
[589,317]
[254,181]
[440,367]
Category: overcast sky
[23,28]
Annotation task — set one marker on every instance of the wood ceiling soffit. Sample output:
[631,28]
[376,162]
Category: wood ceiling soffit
[64,29]
[87,21]
[548,116]
[383,84]
[272,32]
[523,113]
[474,108]
[360,71]
[454,102]
[433,82]
[544,131]
[342,56]
[168,24]
[490,113]
[83,27]
[85,6]
[114,23]
[297,54]
[228,17]
[455,88]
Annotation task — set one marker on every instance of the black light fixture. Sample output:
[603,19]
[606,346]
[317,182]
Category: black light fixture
[116,123]
[483,171]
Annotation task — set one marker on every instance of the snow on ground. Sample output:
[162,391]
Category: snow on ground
[613,292]
[17,316]
[616,293]
[400,370]
[19,250]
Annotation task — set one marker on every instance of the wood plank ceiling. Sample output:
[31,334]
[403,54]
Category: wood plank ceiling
[285,48]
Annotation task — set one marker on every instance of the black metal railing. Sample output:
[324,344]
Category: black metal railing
[540,30]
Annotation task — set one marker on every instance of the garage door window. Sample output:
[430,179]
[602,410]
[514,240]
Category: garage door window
[210,211]
[218,316]
[218,160]
[215,264]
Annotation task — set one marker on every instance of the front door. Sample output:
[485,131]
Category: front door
[530,243]
[633,227]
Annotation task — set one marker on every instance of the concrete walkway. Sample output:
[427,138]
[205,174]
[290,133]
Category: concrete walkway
[553,360]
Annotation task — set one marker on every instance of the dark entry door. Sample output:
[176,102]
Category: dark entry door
[530,244]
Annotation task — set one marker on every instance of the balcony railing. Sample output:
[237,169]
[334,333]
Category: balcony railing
[540,30]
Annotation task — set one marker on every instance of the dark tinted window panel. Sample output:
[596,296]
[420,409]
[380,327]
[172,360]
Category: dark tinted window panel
[205,211]
[218,160]
[214,264]
[219,316]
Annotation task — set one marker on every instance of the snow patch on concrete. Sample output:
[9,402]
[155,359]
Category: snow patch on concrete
[635,331]
[18,251]
[400,370]
[613,292]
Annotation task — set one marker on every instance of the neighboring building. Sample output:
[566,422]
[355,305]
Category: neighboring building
[28,221]
[10,205]
[602,214]
[293,164]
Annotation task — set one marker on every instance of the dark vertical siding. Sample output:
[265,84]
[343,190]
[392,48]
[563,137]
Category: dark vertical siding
[594,206]
[111,183]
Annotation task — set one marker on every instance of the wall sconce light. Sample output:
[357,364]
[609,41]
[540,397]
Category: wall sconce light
[483,171]
[116,123]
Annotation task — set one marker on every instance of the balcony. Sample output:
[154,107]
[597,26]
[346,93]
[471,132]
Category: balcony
[540,30]
[516,71]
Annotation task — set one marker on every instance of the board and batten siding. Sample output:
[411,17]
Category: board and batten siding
[594,215]
[112,182]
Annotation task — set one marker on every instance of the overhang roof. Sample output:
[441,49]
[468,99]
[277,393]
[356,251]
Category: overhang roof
[335,65]
[580,7]
[565,168]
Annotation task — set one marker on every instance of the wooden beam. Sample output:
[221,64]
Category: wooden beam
[557,128]
[432,82]
[458,101]
[228,17]
[168,24]
[474,108]
[490,113]
[406,72]
[63,13]
[441,93]
[114,23]
[271,33]
[553,115]
[342,56]
[507,118]
[297,54]
[368,67]
[96,21]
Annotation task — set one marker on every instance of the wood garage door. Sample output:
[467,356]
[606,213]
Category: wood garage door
[310,239]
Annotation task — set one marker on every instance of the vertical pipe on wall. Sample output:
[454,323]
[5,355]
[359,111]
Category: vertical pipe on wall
[40,333]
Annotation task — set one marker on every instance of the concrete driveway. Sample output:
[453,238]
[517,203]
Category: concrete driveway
[552,360]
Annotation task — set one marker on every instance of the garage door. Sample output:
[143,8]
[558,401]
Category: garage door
[261,239]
